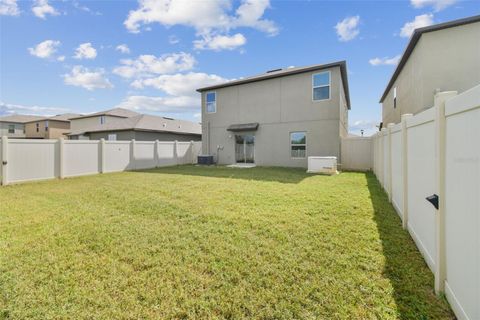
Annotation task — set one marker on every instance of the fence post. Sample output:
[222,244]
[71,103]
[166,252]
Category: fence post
[382,142]
[440,271]
[102,155]
[156,158]
[61,161]
[192,154]
[404,155]
[4,160]
[175,151]
[132,155]
[389,159]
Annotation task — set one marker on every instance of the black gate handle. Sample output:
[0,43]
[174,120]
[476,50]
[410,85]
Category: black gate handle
[433,199]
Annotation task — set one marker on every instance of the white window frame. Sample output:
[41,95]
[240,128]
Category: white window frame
[46,125]
[9,127]
[112,137]
[102,119]
[206,102]
[329,86]
[297,145]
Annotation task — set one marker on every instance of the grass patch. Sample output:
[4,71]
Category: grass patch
[205,242]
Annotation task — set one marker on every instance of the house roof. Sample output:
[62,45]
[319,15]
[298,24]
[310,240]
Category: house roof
[20,118]
[116,112]
[144,122]
[287,72]
[415,38]
[65,117]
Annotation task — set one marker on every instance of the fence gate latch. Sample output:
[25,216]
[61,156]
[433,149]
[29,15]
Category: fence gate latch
[4,163]
[433,199]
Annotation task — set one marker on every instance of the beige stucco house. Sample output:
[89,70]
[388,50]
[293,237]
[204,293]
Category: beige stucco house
[278,118]
[13,126]
[141,127]
[49,128]
[442,57]
[100,118]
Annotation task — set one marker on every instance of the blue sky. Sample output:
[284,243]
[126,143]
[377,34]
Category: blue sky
[85,56]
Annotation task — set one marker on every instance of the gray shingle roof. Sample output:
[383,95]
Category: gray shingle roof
[21,118]
[117,112]
[286,72]
[145,122]
[65,117]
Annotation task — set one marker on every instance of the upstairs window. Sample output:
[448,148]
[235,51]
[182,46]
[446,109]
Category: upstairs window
[395,98]
[321,86]
[102,119]
[211,102]
[11,128]
[298,144]
[37,125]
[46,125]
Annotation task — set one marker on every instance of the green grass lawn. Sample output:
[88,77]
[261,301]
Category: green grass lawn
[206,243]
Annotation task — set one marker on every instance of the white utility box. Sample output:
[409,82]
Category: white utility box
[327,165]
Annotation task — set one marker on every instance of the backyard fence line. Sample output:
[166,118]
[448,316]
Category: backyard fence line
[24,160]
[436,154]
[356,153]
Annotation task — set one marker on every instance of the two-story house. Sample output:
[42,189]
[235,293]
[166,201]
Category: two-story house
[442,57]
[278,118]
[77,124]
[13,126]
[49,128]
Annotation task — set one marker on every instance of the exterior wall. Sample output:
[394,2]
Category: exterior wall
[280,105]
[19,130]
[145,136]
[82,123]
[56,129]
[445,59]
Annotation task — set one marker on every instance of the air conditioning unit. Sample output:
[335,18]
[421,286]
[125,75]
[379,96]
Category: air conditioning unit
[326,165]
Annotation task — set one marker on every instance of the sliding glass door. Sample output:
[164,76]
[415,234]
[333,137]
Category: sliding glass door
[245,148]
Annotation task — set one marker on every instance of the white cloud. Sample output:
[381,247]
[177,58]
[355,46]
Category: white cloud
[369,127]
[42,8]
[204,16]
[147,65]
[123,48]
[8,108]
[423,20]
[161,104]
[173,39]
[9,8]
[385,61]
[45,49]
[212,19]
[437,5]
[80,76]
[85,51]
[61,58]
[347,29]
[84,8]
[218,43]
[180,84]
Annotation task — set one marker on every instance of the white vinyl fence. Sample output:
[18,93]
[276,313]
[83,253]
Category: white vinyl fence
[26,160]
[437,152]
[356,153]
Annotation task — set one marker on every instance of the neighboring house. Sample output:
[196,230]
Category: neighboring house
[140,127]
[100,118]
[443,57]
[49,128]
[13,126]
[278,118]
